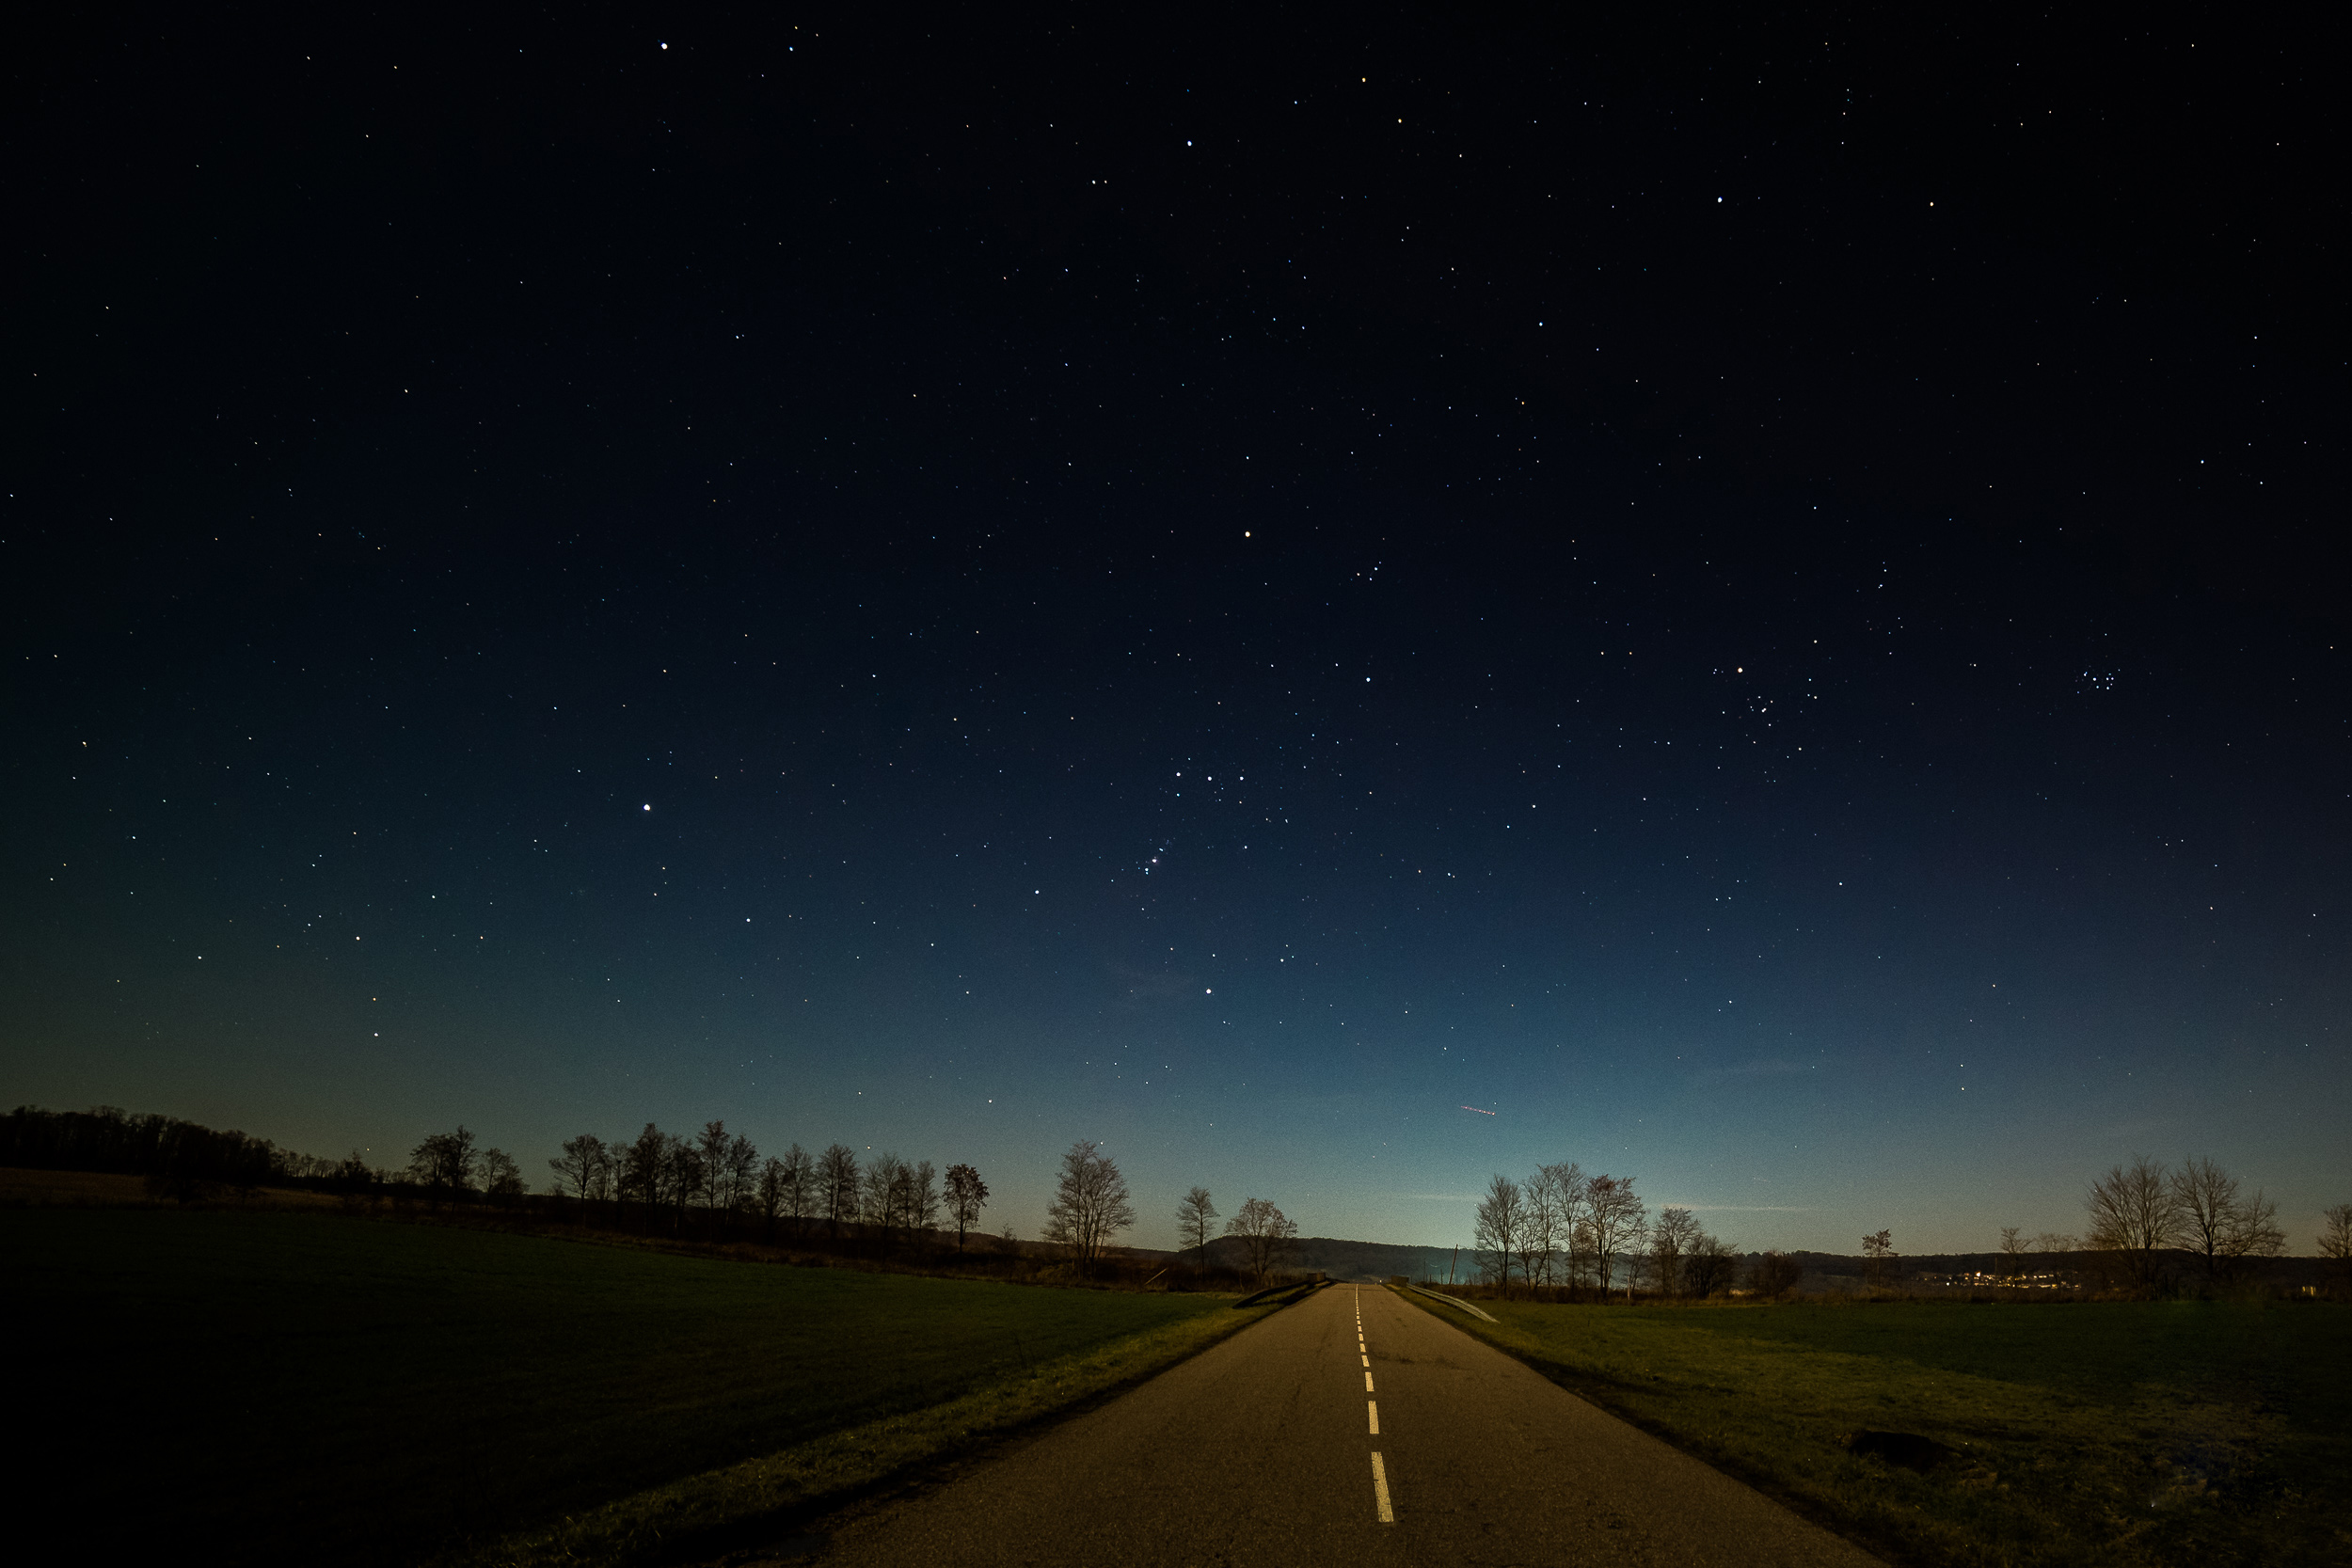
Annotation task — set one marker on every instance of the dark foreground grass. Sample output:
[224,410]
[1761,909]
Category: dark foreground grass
[268,1388]
[2121,1434]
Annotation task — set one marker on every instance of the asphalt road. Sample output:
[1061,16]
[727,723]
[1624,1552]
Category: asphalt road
[1418,1443]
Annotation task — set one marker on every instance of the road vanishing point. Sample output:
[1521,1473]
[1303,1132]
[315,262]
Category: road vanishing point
[1351,1422]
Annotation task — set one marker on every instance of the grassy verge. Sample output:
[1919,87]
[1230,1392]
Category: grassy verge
[759,1500]
[275,1386]
[2123,1434]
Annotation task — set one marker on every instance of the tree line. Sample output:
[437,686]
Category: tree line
[661,1179]
[1559,1229]
[2146,1213]
[178,1158]
[1564,1229]
[714,1181]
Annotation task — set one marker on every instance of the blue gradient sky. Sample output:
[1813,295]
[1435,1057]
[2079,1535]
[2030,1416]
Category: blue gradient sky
[810,639]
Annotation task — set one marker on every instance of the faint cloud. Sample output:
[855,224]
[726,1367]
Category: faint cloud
[1439,1197]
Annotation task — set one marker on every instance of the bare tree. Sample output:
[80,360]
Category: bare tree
[1266,1234]
[968,1194]
[1089,1204]
[2335,1241]
[1555,1199]
[1670,1238]
[1498,1230]
[1774,1273]
[444,1163]
[502,1179]
[2014,1250]
[1194,1216]
[1612,1226]
[2256,1232]
[923,1199]
[799,1183]
[642,1166]
[886,1193]
[2136,1213]
[2049,1246]
[579,1165]
[2206,1200]
[2223,1224]
[1878,1251]
[1708,1266]
[682,1171]
[711,1166]
[742,1174]
[837,1186]
[770,1196]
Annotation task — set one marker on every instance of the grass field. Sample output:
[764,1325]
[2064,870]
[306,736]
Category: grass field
[2133,1433]
[263,1388]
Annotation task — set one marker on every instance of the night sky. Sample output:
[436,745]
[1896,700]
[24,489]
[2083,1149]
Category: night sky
[1342,601]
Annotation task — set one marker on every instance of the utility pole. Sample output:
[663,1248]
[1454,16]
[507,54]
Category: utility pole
[1449,1268]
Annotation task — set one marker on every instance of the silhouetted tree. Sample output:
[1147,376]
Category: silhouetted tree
[742,1185]
[1555,1195]
[768,1196]
[178,1158]
[682,1173]
[837,1186]
[603,1186]
[1774,1273]
[1195,1215]
[1497,1229]
[1877,1252]
[644,1161]
[351,1175]
[579,1165]
[1612,1225]
[2135,1214]
[711,1166]
[798,1179]
[887,1191]
[443,1164]
[2222,1224]
[1708,1266]
[2335,1242]
[2012,1250]
[923,1206]
[968,1194]
[1266,1234]
[1089,1204]
[1670,1238]
[502,1179]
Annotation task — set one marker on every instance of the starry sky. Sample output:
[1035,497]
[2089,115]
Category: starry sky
[1340,609]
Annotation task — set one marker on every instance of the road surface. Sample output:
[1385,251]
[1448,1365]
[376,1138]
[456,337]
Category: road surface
[1356,1423]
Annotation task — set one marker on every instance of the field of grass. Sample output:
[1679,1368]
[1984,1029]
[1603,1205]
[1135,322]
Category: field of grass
[262,1388]
[2122,1435]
